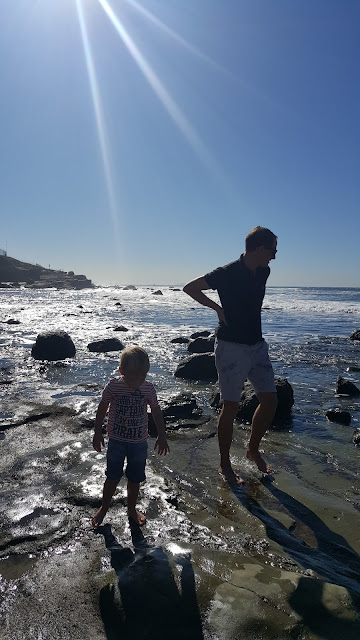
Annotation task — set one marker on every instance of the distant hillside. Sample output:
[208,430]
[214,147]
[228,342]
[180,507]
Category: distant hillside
[14,273]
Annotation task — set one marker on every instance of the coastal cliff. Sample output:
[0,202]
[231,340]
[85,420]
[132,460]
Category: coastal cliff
[14,273]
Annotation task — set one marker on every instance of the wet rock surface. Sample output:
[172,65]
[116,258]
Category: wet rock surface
[337,415]
[105,345]
[200,566]
[346,387]
[197,367]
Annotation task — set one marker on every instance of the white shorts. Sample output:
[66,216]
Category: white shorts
[237,362]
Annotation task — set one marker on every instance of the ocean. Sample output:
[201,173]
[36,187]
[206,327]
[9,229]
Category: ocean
[305,522]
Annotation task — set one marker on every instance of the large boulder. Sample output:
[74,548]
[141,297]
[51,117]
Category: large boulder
[337,415]
[346,387]
[103,346]
[355,335]
[197,367]
[201,345]
[53,345]
[249,402]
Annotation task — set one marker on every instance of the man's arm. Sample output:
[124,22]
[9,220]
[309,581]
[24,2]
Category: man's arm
[195,289]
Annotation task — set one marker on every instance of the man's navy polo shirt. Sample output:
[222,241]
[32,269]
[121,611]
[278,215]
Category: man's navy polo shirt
[241,292]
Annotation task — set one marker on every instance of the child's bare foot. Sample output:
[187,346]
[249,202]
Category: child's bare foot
[137,517]
[229,475]
[98,517]
[259,461]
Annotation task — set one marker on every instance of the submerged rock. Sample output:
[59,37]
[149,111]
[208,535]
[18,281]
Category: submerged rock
[346,387]
[103,346]
[201,345]
[53,345]
[337,415]
[197,367]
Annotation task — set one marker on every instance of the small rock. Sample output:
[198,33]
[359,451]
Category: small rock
[121,328]
[355,335]
[180,340]
[337,415]
[12,321]
[356,437]
[103,346]
[157,293]
[346,387]
[200,334]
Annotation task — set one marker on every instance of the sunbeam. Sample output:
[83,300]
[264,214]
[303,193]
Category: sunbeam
[100,121]
[167,101]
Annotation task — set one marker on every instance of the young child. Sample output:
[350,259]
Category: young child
[128,397]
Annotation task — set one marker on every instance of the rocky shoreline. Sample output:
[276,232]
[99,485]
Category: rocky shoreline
[14,273]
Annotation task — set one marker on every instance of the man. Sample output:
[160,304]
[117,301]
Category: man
[240,350]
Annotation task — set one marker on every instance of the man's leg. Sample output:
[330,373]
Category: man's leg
[262,418]
[225,433]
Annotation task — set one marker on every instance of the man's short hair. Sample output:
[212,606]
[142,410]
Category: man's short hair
[259,237]
[134,360]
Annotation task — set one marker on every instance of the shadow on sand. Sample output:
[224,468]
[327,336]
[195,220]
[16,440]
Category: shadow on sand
[148,604]
[333,559]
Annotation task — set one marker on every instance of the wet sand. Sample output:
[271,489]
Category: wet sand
[269,560]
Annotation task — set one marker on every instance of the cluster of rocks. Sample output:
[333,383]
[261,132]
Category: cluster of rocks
[58,345]
[13,273]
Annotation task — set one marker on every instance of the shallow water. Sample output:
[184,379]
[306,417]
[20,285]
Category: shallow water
[304,523]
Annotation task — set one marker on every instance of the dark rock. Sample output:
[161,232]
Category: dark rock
[53,345]
[356,437]
[346,387]
[181,406]
[201,345]
[121,328]
[157,293]
[197,367]
[355,335]
[353,369]
[108,344]
[337,415]
[249,402]
[175,289]
[130,287]
[200,334]
[180,340]
[118,304]
[12,321]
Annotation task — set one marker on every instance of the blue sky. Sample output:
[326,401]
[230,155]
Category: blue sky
[141,141]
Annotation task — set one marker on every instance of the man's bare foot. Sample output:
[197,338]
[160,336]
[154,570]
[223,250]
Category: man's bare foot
[137,517]
[255,456]
[98,517]
[230,476]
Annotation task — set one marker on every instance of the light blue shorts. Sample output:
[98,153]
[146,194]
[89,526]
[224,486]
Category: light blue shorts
[135,454]
[237,362]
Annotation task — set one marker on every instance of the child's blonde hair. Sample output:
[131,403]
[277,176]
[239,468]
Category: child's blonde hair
[134,360]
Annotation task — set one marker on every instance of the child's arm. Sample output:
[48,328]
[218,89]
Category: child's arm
[98,438]
[161,443]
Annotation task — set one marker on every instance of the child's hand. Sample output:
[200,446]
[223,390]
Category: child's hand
[98,440]
[162,446]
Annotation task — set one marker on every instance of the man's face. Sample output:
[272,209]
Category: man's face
[267,253]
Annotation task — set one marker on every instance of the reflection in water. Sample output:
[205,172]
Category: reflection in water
[148,604]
